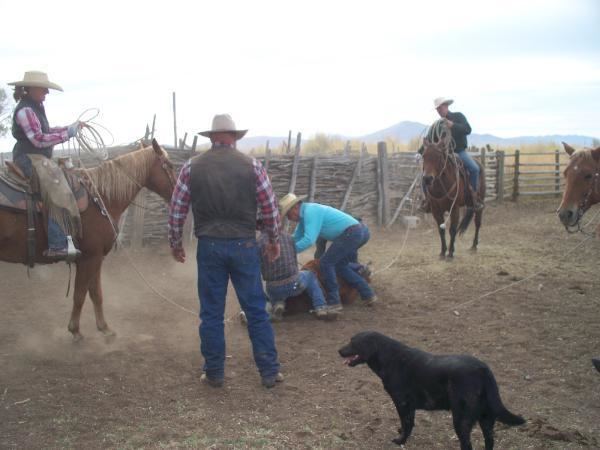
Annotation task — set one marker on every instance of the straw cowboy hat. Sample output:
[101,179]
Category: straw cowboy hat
[223,123]
[35,78]
[288,201]
[442,101]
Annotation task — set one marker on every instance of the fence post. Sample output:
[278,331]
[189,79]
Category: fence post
[267,156]
[383,184]
[292,185]
[557,174]
[174,120]
[515,193]
[499,176]
[482,154]
[312,187]
[289,143]
[347,149]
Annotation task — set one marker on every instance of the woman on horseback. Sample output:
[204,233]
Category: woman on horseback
[34,136]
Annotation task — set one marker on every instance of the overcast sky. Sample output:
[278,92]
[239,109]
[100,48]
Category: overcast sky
[339,67]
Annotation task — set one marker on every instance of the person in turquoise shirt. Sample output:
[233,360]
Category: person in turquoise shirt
[346,234]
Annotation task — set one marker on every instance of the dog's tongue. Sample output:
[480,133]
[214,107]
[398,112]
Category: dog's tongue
[350,359]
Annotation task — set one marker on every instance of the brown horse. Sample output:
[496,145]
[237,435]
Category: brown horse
[118,181]
[446,180]
[582,189]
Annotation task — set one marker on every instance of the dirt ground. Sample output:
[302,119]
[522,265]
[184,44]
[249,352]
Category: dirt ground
[527,303]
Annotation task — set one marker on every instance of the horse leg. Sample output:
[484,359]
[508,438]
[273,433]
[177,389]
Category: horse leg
[82,281]
[439,218]
[95,291]
[478,215]
[454,217]
[83,275]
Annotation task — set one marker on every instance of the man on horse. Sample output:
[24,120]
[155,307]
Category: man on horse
[228,192]
[346,234]
[459,128]
[33,149]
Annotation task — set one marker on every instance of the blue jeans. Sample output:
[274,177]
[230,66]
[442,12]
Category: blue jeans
[307,281]
[239,260]
[337,260]
[56,237]
[472,168]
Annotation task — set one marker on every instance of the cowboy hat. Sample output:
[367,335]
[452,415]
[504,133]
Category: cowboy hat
[223,123]
[35,78]
[442,101]
[288,201]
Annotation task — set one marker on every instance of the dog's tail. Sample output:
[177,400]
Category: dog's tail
[495,403]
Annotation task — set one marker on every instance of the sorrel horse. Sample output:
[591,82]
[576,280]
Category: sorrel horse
[117,181]
[582,189]
[446,182]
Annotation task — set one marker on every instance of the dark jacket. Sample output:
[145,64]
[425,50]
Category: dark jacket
[459,130]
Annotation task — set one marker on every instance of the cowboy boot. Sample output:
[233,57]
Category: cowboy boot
[476,203]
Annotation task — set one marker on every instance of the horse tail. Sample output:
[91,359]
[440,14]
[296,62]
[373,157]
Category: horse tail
[466,220]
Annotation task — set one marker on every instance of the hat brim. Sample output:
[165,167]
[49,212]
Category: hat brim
[447,102]
[297,200]
[238,133]
[42,84]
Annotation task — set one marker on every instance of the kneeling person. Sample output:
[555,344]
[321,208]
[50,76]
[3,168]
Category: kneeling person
[346,234]
[283,280]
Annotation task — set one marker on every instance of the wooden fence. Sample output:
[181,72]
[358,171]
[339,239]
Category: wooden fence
[372,187]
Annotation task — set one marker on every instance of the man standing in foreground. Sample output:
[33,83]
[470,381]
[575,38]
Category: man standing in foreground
[226,190]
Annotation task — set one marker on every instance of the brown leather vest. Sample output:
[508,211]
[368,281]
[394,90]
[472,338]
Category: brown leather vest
[223,194]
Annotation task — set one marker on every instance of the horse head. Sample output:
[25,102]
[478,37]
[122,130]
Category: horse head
[161,178]
[434,157]
[582,188]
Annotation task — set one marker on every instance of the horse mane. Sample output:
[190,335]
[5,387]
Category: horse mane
[120,178]
[584,155]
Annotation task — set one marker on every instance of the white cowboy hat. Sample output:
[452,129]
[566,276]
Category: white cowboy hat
[288,201]
[35,78]
[223,123]
[442,101]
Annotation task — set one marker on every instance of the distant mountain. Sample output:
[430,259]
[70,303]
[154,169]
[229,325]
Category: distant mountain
[405,131]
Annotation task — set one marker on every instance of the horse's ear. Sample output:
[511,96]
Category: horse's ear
[157,148]
[570,150]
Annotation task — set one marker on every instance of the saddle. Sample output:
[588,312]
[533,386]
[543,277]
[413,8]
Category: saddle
[22,195]
[15,188]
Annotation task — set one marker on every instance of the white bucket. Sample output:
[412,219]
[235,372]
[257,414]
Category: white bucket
[410,221]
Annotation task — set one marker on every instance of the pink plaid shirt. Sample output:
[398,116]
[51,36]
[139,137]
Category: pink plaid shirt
[30,124]
[268,212]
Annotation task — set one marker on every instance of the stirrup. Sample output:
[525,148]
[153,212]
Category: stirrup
[72,252]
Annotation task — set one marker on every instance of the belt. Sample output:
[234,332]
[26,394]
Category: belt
[354,227]
[287,280]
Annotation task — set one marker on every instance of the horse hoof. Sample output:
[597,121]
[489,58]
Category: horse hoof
[473,249]
[108,333]
[77,337]
[442,256]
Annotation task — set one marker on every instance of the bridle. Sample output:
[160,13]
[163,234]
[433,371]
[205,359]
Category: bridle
[454,188]
[584,203]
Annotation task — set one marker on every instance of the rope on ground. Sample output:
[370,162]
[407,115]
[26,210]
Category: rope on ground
[488,294]
[163,297]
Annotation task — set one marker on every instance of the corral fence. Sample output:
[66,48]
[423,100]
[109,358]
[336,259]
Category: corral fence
[373,187]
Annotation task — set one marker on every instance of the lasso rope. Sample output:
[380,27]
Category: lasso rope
[88,137]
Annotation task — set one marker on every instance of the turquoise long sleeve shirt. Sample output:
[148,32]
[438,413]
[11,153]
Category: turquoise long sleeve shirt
[318,220]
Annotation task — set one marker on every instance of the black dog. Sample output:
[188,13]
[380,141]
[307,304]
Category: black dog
[419,380]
